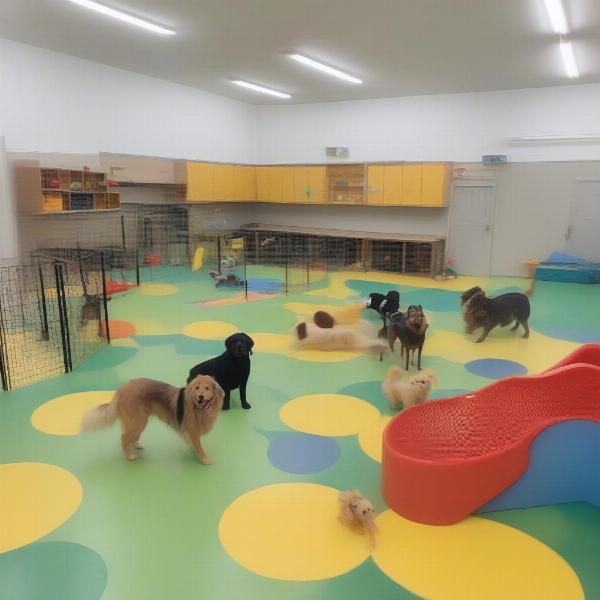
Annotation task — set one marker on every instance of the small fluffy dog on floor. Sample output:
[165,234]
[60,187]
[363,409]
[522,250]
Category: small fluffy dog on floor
[310,336]
[191,411]
[406,394]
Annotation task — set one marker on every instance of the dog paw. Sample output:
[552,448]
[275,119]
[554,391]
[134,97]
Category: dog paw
[139,445]
[132,457]
[206,461]
[226,407]
[246,406]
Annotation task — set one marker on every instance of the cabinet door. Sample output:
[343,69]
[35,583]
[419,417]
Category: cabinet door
[262,184]
[413,184]
[375,184]
[275,188]
[287,185]
[244,183]
[315,177]
[224,188]
[200,181]
[393,184]
[138,169]
[435,185]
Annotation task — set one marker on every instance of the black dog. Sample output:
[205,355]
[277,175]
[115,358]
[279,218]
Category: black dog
[384,306]
[487,313]
[231,370]
[410,329]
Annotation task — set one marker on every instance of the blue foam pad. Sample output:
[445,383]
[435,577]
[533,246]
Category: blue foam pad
[563,467]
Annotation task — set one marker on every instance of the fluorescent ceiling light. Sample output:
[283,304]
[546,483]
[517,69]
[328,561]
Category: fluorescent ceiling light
[556,12]
[321,67]
[117,14]
[260,88]
[566,49]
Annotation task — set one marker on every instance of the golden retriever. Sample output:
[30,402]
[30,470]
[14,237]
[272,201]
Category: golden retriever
[191,411]
[406,394]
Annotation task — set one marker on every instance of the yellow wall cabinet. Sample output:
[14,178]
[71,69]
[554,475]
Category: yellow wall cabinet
[436,184]
[244,183]
[309,185]
[200,182]
[406,184]
[375,175]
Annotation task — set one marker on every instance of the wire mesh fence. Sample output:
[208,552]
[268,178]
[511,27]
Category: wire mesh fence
[53,315]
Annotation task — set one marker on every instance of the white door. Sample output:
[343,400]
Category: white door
[471,227]
[583,234]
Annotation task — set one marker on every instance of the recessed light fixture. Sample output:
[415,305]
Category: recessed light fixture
[122,16]
[260,88]
[324,68]
[556,12]
[568,56]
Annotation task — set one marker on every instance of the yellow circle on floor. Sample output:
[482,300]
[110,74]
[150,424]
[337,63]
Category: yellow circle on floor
[291,531]
[62,415]
[477,558]
[370,438]
[328,414]
[36,498]
[210,330]
[157,289]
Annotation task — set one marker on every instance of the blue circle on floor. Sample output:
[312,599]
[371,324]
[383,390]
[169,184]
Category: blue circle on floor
[300,453]
[495,368]
[265,285]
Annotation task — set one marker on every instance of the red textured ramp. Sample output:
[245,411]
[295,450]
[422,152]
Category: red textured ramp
[445,458]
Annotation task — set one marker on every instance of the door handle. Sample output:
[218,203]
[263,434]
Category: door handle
[568,233]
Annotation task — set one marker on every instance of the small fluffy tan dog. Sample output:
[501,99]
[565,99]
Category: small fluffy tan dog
[358,513]
[406,394]
[191,411]
[310,336]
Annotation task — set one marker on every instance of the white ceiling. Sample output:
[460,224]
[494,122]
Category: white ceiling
[398,47]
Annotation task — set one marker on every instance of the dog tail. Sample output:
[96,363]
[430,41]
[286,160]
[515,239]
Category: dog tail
[395,373]
[100,416]
[531,289]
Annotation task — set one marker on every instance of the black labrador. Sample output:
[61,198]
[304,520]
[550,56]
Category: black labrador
[231,369]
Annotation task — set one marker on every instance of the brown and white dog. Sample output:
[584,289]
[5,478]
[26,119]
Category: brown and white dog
[310,336]
[406,394]
[191,411]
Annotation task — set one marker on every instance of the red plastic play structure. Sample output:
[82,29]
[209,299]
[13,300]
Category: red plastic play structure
[444,459]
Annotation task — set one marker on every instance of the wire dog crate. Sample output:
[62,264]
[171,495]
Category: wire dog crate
[53,315]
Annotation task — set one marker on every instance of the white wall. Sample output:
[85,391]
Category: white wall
[9,247]
[532,214]
[358,218]
[450,127]
[57,103]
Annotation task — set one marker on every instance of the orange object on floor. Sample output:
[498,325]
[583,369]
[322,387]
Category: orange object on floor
[153,259]
[114,287]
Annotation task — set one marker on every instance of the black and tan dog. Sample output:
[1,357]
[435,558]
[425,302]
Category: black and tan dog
[410,329]
[191,411]
[231,369]
[481,312]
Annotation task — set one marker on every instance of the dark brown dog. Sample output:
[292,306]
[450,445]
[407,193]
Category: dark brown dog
[410,330]
[479,311]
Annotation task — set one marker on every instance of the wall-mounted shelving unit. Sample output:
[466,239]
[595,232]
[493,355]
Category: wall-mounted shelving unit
[48,190]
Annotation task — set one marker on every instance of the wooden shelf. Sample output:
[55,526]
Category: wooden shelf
[62,191]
